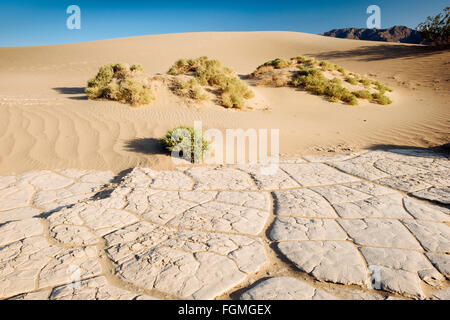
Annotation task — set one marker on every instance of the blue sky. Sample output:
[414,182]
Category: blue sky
[26,23]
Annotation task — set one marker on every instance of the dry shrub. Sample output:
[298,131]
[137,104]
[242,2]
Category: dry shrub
[275,80]
[261,71]
[363,94]
[120,82]
[233,92]
[381,99]
[307,73]
[189,89]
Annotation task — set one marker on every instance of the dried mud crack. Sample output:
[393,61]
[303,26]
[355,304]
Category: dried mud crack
[369,225]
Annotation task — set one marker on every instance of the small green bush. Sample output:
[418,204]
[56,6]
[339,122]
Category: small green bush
[342,70]
[336,81]
[363,94]
[120,82]
[381,87]
[183,140]
[233,92]
[305,60]
[327,66]
[190,89]
[350,99]
[352,80]
[365,82]
[312,80]
[381,99]
[277,63]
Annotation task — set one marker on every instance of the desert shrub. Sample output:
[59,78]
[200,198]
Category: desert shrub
[436,29]
[341,70]
[381,99]
[136,67]
[261,71]
[184,66]
[327,66]
[381,87]
[312,80]
[365,82]
[349,98]
[275,80]
[308,74]
[232,90]
[133,91]
[338,93]
[187,142]
[120,82]
[277,63]
[190,89]
[336,81]
[363,94]
[304,60]
[351,80]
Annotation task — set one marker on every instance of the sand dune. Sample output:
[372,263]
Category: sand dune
[47,122]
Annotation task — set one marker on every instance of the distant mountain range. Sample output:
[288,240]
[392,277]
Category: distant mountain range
[395,34]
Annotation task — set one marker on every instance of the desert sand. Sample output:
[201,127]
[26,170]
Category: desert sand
[46,121]
[87,213]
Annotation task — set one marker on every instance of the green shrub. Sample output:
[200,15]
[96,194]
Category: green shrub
[381,87]
[305,60]
[352,80]
[342,70]
[381,99]
[327,66]
[365,82]
[337,92]
[363,94]
[336,81]
[190,89]
[184,66]
[312,80]
[309,76]
[277,63]
[436,29]
[233,92]
[350,99]
[186,142]
[137,67]
[120,82]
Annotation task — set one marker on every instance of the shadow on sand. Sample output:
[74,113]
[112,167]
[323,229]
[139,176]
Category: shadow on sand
[381,52]
[442,150]
[72,90]
[145,146]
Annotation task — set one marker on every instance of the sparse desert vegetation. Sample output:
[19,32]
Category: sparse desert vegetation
[210,73]
[184,140]
[121,82]
[277,63]
[189,88]
[322,78]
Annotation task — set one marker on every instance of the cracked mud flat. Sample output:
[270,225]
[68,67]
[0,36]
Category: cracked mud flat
[373,225]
